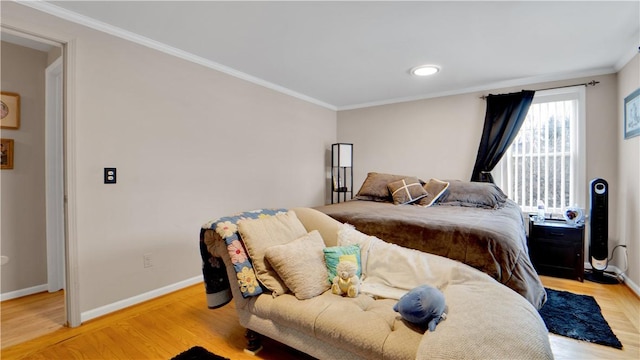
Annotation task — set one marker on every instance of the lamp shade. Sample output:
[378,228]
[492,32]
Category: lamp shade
[342,154]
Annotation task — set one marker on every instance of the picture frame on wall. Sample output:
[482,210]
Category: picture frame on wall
[632,114]
[6,157]
[9,110]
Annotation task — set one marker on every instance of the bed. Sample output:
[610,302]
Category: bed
[474,223]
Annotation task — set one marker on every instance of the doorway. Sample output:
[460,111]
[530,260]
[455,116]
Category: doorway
[54,186]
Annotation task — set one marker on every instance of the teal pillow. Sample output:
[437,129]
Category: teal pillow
[333,255]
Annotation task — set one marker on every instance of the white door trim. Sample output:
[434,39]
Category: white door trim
[72,291]
[54,175]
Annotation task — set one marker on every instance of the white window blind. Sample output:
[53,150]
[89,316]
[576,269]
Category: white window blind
[545,161]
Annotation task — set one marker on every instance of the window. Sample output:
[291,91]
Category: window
[546,160]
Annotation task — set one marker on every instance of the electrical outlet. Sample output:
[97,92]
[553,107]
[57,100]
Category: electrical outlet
[146,260]
[110,176]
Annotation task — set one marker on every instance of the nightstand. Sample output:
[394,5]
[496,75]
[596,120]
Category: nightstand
[557,248]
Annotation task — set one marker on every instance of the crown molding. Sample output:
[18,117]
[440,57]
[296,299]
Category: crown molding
[156,45]
[530,81]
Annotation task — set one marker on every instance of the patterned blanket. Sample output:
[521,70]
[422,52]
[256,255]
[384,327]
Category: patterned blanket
[227,228]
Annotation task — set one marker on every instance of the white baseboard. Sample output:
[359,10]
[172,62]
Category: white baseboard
[24,292]
[633,286]
[119,305]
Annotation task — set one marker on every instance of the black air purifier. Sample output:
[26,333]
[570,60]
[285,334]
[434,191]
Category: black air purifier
[599,233]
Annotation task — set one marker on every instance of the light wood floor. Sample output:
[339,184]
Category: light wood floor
[164,327]
[31,316]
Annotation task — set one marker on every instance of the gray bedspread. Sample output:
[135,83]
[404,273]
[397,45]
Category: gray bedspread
[491,240]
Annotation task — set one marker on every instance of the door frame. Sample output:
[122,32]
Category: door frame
[68,44]
[72,289]
[54,170]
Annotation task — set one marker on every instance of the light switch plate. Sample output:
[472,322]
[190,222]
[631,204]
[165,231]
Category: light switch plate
[110,175]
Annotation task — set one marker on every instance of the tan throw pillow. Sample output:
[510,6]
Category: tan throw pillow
[374,187]
[435,188]
[260,234]
[300,264]
[406,191]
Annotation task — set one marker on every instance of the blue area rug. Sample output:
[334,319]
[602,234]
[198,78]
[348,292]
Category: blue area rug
[578,317]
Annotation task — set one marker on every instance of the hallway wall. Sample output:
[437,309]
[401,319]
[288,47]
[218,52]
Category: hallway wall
[23,226]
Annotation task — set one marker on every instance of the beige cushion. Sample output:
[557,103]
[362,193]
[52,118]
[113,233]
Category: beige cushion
[363,325]
[435,188]
[406,190]
[375,187]
[300,264]
[260,234]
[313,219]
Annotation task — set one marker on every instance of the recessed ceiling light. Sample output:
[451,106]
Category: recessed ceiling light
[424,70]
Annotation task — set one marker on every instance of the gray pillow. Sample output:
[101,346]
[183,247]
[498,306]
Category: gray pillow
[473,194]
[374,187]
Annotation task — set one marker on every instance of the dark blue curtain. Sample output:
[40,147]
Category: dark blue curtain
[504,117]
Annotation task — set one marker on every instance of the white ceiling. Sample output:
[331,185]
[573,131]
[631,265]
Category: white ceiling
[351,54]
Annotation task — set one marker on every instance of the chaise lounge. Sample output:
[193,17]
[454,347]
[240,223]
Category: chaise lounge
[485,319]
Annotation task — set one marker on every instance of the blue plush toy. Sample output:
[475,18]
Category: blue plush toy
[423,306]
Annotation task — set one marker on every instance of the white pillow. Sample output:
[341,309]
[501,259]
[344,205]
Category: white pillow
[300,264]
[260,234]
[348,235]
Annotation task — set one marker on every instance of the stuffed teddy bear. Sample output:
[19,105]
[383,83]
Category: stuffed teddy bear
[423,306]
[346,282]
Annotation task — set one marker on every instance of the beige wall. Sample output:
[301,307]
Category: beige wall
[23,188]
[629,175]
[439,138]
[429,138]
[190,144]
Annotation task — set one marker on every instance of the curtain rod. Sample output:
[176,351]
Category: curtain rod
[590,83]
